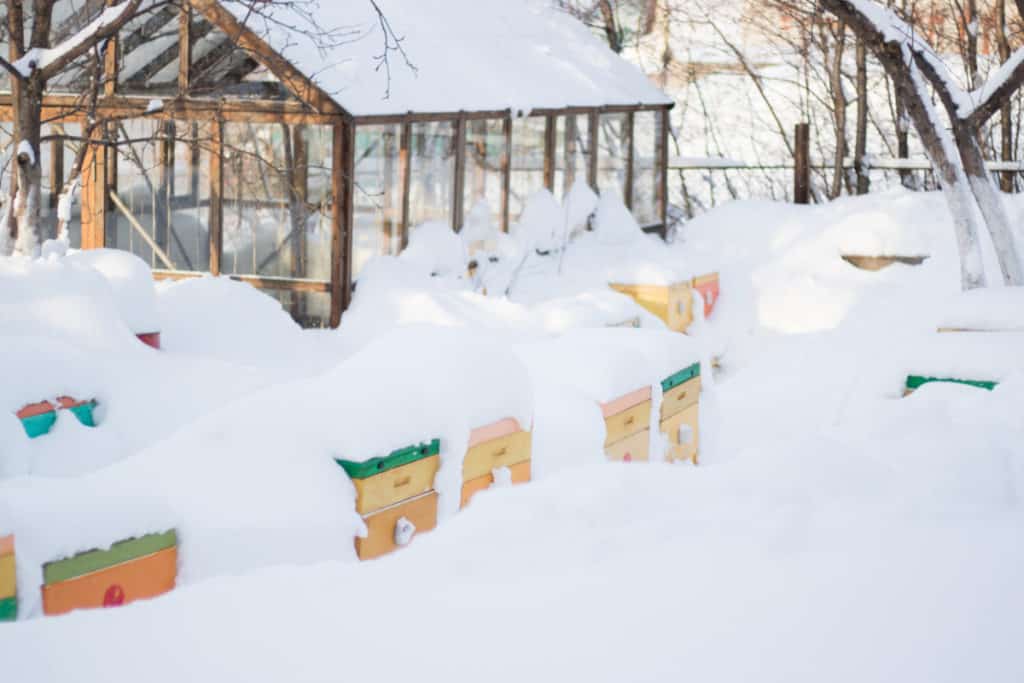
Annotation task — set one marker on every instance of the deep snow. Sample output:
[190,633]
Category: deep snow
[834,530]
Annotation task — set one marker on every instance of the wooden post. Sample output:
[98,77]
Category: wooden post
[392,219]
[184,50]
[300,198]
[194,159]
[405,171]
[165,185]
[111,72]
[594,131]
[506,171]
[348,161]
[459,184]
[802,164]
[665,122]
[216,222]
[571,151]
[94,193]
[337,222]
[550,144]
[627,191]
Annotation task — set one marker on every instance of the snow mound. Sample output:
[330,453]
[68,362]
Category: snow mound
[994,308]
[435,250]
[131,282]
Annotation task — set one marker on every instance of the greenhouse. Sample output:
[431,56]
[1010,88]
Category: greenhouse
[244,139]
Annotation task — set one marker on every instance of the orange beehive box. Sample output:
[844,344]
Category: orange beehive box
[130,570]
[385,527]
[146,577]
[709,289]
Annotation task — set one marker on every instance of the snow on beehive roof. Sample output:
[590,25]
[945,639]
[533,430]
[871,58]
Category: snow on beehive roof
[470,55]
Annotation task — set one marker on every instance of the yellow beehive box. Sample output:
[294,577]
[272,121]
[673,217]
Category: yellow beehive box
[501,444]
[505,451]
[627,423]
[673,304]
[680,397]
[635,448]
[683,432]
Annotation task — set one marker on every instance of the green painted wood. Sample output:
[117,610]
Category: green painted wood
[916,381]
[96,560]
[684,375]
[37,425]
[85,414]
[9,609]
[403,456]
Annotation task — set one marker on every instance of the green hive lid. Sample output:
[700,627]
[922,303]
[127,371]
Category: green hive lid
[9,609]
[96,560]
[915,381]
[685,375]
[403,456]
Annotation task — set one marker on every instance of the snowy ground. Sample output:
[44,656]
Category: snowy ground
[834,530]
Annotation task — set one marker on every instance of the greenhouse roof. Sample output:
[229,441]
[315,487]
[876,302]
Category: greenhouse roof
[450,55]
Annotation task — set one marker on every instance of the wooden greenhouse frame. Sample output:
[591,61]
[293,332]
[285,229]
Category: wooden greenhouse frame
[303,103]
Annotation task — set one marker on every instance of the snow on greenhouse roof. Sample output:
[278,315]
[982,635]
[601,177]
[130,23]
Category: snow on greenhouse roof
[468,55]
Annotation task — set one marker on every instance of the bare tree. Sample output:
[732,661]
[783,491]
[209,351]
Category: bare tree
[913,65]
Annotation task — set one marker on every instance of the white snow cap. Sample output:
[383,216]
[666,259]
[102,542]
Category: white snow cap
[614,223]
[473,55]
[541,222]
[436,250]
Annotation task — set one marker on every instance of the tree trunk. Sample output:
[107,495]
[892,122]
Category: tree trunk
[955,187]
[27,169]
[839,115]
[990,203]
[1005,112]
[861,141]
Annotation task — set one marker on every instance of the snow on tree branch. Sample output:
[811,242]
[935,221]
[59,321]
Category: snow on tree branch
[978,105]
[51,61]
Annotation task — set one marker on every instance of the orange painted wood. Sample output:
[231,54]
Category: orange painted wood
[380,539]
[681,397]
[625,402]
[520,475]
[671,427]
[709,288]
[627,423]
[145,577]
[66,402]
[635,448]
[63,402]
[495,430]
[6,545]
[33,409]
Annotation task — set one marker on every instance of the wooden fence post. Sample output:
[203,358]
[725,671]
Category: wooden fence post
[801,164]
